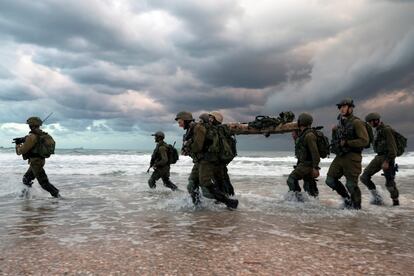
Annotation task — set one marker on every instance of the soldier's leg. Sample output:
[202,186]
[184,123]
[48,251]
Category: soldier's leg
[390,183]
[373,167]
[153,179]
[40,174]
[227,186]
[166,179]
[353,168]
[193,184]
[335,172]
[28,177]
[310,186]
[207,172]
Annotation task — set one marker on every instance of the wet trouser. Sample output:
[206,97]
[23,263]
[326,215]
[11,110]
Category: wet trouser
[226,186]
[164,174]
[208,176]
[348,165]
[304,172]
[36,171]
[375,166]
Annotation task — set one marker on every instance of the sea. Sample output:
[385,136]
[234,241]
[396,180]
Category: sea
[108,221]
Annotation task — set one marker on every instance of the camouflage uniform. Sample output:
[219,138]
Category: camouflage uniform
[36,163]
[306,151]
[205,163]
[348,160]
[159,161]
[386,149]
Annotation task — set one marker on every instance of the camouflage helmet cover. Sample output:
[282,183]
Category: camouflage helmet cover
[346,101]
[159,134]
[305,119]
[34,121]
[372,116]
[184,115]
[216,115]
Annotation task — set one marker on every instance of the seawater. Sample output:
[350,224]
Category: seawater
[106,198]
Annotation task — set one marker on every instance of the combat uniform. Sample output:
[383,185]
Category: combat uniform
[161,165]
[306,151]
[36,163]
[386,149]
[348,160]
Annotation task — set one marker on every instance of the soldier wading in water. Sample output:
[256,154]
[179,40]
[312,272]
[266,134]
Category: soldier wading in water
[349,138]
[205,172]
[37,146]
[160,163]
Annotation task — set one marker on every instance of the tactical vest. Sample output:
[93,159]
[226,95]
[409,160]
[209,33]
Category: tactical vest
[156,155]
[302,152]
[345,131]
[380,142]
[211,147]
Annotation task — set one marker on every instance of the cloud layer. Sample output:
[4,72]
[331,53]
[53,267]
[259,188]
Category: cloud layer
[125,67]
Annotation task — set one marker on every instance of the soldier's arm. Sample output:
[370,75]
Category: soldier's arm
[310,141]
[361,132]
[164,157]
[199,137]
[391,144]
[30,142]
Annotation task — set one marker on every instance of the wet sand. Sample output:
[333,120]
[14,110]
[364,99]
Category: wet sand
[160,233]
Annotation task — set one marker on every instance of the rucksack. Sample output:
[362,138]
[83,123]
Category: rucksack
[45,145]
[173,155]
[400,141]
[227,144]
[322,142]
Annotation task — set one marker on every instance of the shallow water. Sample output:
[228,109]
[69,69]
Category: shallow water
[109,221]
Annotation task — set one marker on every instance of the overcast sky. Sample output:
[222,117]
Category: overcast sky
[115,71]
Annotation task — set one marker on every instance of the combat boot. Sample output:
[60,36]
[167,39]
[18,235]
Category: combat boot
[195,197]
[170,185]
[232,203]
[376,198]
[395,202]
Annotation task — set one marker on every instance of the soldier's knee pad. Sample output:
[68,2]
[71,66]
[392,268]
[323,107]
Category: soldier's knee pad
[331,182]
[351,186]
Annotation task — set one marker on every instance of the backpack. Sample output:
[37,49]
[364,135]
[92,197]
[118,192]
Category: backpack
[45,145]
[322,142]
[172,154]
[400,141]
[227,144]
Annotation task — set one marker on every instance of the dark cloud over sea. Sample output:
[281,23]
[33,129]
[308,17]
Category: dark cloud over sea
[120,69]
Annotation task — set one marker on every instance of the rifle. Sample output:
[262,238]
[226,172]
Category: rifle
[19,140]
[187,139]
[339,134]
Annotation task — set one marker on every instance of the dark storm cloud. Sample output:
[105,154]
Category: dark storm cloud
[130,66]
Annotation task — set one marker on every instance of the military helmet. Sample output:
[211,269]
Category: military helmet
[346,101]
[34,121]
[184,115]
[204,117]
[216,115]
[159,134]
[372,116]
[305,119]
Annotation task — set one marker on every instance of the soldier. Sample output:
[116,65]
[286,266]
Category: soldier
[196,144]
[349,138]
[307,167]
[216,119]
[160,163]
[386,149]
[30,151]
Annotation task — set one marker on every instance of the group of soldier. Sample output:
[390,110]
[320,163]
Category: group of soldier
[209,175]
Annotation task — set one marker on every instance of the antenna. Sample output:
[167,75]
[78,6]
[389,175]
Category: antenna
[44,120]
